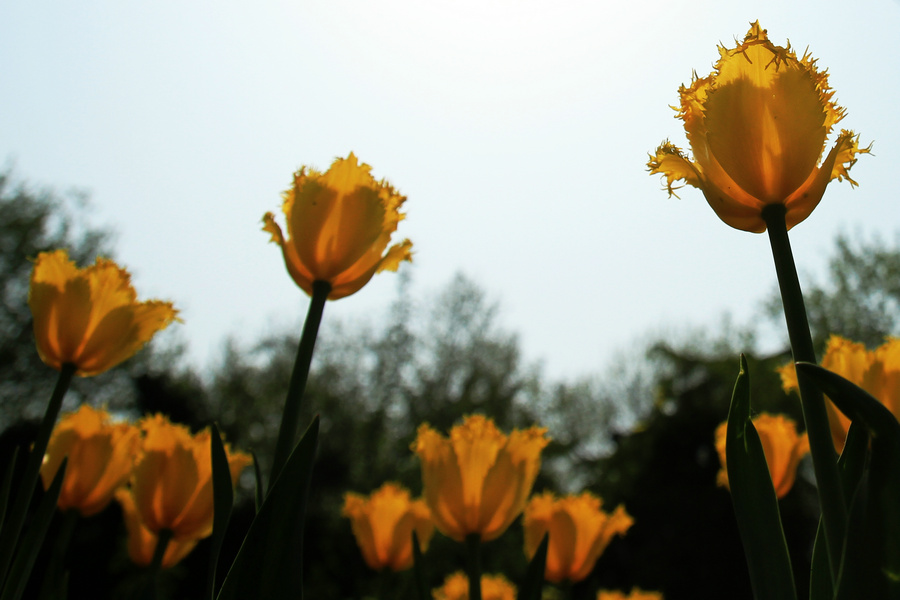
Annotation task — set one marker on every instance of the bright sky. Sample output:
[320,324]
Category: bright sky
[519,130]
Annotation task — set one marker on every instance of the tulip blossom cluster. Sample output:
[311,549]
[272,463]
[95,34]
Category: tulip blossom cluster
[159,472]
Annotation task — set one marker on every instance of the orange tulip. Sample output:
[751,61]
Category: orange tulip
[579,532]
[142,542]
[89,317]
[101,455]
[757,126]
[876,371]
[339,226]
[493,587]
[477,480]
[782,446]
[383,524]
[172,482]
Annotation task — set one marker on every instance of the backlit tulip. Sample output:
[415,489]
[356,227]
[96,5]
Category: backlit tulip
[782,446]
[383,524]
[579,532]
[339,225]
[876,371]
[757,126]
[142,542]
[172,481]
[101,455]
[493,587]
[477,480]
[89,317]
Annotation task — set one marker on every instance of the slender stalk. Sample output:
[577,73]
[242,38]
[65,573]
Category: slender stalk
[473,565]
[13,524]
[287,433]
[53,585]
[162,543]
[831,499]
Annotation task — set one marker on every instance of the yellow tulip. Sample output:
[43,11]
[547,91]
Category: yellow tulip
[493,587]
[636,594]
[89,317]
[101,455]
[172,481]
[579,532]
[339,226]
[757,127]
[142,541]
[782,446]
[477,480]
[876,371]
[383,524]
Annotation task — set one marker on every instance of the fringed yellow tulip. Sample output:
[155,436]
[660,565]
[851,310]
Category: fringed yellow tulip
[493,587]
[89,317]
[142,542]
[636,594]
[101,455]
[172,481]
[757,127]
[383,524]
[782,446]
[477,481]
[579,532]
[339,226]
[876,371]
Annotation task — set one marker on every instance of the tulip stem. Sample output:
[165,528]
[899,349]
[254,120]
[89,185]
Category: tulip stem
[473,565]
[831,498]
[12,525]
[290,416]
[162,543]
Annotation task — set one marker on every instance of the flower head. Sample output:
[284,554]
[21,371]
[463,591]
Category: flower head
[493,587]
[579,532]
[876,371]
[383,524]
[636,594]
[142,541]
[477,480]
[782,446]
[172,482]
[757,126]
[89,317]
[101,455]
[339,226]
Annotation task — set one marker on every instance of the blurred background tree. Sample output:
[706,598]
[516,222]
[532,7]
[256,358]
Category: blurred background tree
[637,432]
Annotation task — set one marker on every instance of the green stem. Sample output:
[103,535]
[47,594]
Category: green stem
[162,543]
[287,433]
[13,524]
[53,585]
[831,498]
[473,565]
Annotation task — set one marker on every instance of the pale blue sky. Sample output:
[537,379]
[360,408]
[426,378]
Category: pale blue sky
[519,130]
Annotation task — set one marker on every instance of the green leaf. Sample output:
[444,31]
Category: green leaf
[260,489]
[223,502]
[7,484]
[871,564]
[533,585]
[269,563]
[34,537]
[753,497]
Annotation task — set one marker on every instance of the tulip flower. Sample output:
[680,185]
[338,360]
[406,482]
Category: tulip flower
[579,532]
[636,594]
[493,587]
[383,524]
[782,446]
[757,126]
[142,542]
[876,371]
[101,455]
[339,226]
[90,317]
[172,481]
[476,481]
